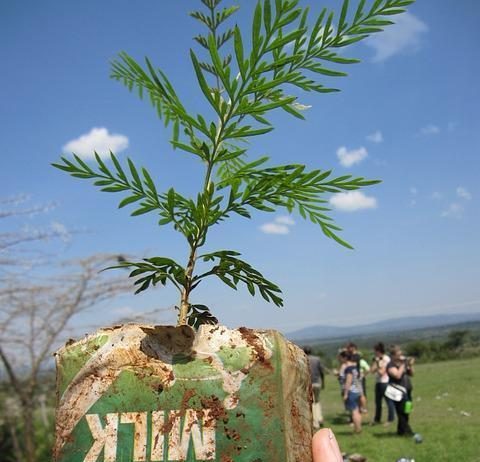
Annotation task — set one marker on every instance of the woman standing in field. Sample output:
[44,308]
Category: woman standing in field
[352,390]
[399,370]
[379,367]
[363,369]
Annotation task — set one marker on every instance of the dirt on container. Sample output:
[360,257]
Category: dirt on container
[164,393]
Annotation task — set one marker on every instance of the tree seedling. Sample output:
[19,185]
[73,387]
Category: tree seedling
[244,76]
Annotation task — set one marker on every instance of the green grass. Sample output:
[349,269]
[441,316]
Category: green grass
[441,392]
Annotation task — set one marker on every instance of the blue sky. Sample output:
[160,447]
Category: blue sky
[408,114]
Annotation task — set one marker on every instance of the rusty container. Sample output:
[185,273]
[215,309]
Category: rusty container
[161,393]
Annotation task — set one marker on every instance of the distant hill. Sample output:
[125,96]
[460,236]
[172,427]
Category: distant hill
[320,332]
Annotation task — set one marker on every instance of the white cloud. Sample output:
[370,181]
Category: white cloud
[97,139]
[281,225]
[454,210]
[274,228]
[348,158]
[437,195]
[405,36]
[463,193]
[413,190]
[352,201]
[430,129]
[375,137]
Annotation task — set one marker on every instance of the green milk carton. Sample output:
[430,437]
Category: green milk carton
[160,393]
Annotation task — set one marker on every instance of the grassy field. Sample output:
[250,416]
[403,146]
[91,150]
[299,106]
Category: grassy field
[443,393]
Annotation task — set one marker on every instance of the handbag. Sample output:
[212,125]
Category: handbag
[395,392]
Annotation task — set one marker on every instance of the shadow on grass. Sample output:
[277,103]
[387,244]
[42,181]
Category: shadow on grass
[347,433]
[340,419]
[391,435]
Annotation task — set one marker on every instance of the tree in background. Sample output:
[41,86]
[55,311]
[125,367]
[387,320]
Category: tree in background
[39,298]
[457,339]
[16,253]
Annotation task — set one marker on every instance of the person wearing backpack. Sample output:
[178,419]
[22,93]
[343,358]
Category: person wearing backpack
[363,369]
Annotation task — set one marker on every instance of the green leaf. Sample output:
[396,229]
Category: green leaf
[267,15]
[291,110]
[231,270]
[216,60]
[238,44]
[323,70]
[103,182]
[250,132]
[375,7]
[343,42]
[154,83]
[155,78]
[135,175]
[377,22]
[328,28]
[393,11]
[284,40]
[267,85]
[359,12]
[226,13]
[83,175]
[338,239]
[164,221]
[149,182]
[256,29]
[171,198]
[82,163]
[129,200]
[176,130]
[65,168]
[203,83]
[187,148]
[200,314]
[343,15]
[315,34]
[103,168]
[333,57]
[289,18]
[120,171]
[269,106]
[143,210]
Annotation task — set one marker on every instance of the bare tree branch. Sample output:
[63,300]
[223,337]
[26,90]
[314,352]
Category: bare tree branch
[37,305]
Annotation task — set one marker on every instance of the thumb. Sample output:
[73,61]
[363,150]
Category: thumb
[325,447]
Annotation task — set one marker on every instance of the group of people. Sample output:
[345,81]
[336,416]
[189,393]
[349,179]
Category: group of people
[392,385]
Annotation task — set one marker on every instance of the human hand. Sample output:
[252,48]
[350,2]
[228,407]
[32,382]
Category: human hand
[325,447]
